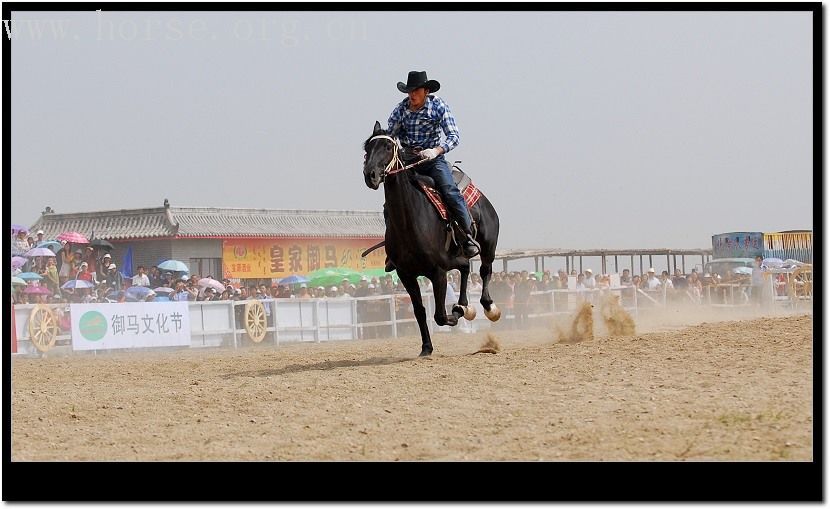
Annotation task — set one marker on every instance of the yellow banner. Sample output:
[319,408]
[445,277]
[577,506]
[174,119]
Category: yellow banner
[278,258]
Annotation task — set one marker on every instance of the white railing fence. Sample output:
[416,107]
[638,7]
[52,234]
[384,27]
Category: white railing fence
[222,323]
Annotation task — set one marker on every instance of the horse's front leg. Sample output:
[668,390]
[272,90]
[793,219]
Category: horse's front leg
[411,283]
[439,291]
[463,308]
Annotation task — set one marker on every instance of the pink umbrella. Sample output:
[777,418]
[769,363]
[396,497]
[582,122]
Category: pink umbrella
[37,290]
[73,238]
[206,282]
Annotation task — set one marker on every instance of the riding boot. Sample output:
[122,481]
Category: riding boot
[470,247]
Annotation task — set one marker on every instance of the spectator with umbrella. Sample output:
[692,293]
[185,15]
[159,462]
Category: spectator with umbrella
[18,261]
[36,293]
[101,244]
[37,255]
[173,266]
[103,266]
[85,274]
[54,245]
[163,293]
[73,238]
[78,284]
[208,282]
[20,245]
[96,246]
[30,276]
[139,292]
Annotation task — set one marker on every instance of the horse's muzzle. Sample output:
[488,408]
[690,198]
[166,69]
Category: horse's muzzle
[373,180]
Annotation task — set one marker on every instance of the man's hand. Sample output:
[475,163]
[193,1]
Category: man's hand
[430,153]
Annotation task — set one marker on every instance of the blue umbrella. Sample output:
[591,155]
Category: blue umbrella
[54,245]
[77,283]
[30,276]
[174,266]
[138,292]
[293,279]
[162,298]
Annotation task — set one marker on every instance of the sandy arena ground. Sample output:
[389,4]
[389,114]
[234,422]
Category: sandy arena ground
[719,390]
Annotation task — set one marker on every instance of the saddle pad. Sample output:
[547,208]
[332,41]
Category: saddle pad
[471,195]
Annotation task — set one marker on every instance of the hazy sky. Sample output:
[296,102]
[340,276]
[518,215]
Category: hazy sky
[585,129]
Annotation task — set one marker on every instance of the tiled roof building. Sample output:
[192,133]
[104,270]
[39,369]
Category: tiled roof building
[201,222]
[214,241]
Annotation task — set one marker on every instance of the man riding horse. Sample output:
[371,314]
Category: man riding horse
[418,121]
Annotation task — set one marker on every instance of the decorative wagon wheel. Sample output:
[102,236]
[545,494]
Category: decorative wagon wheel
[43,327]
[803,275]
[255,322]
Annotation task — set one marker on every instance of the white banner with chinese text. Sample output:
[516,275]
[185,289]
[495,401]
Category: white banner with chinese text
[129,325]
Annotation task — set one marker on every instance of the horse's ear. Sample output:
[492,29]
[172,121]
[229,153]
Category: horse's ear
[378,128]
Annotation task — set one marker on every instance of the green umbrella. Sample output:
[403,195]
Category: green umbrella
[380,273]
[332,276]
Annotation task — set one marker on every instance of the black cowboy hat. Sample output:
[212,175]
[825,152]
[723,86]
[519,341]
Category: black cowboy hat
[418,79]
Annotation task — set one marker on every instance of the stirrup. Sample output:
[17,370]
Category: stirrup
[471,242]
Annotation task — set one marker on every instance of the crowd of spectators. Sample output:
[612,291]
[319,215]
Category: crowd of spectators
[513,289]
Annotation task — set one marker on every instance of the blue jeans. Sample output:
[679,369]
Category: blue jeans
[440,172]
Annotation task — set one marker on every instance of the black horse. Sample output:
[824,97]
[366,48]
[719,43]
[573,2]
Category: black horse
[416,236]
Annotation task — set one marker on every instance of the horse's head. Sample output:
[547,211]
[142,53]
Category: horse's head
[381,156]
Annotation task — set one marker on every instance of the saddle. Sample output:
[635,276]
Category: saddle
[468,190]
[465,185]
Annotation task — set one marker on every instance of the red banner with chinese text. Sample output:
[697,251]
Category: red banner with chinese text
[278,258]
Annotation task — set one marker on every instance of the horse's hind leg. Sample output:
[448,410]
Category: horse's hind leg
[414,291]
[463,308]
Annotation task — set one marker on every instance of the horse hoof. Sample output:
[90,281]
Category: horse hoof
[493,314]
[470,313]
[425,352]
[458,310]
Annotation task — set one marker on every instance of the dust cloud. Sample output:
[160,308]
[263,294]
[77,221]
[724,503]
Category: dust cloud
[617,320]
[490,345]
[581,328]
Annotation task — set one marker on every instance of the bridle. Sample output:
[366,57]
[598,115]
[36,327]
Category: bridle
[395,164]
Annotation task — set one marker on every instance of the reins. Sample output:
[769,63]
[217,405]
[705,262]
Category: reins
[395,164]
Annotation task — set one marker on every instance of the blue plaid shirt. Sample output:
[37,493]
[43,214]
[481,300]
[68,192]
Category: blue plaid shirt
[423,128]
